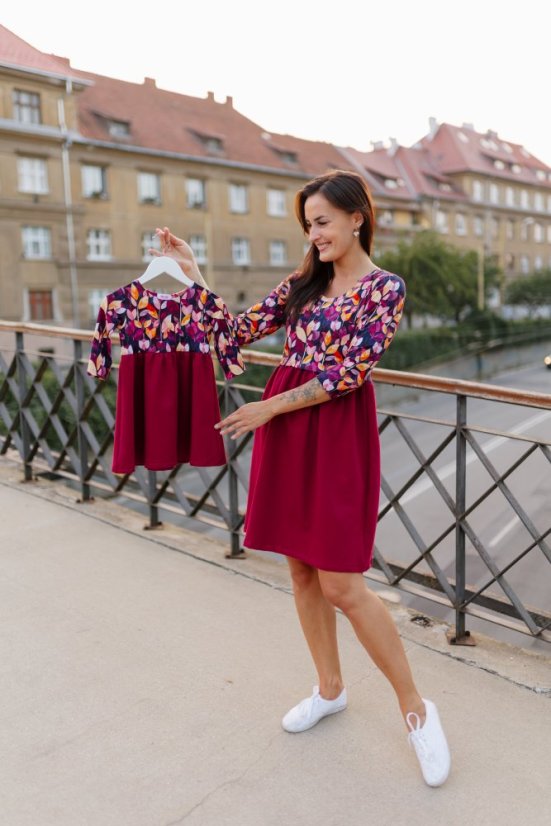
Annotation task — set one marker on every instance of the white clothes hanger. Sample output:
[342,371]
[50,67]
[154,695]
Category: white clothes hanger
[163,264]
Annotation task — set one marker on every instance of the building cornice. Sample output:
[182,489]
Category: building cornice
[60,77]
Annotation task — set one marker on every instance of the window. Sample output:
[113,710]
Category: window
[118,128]
[198,244]
[494,226]
[149,188]
[386,218]
[94,181]
[515,168]
[538,201]
[538,262]
[441,221]
[509,196]
[275,199]
[524,264]
[37,242]
[524,199]
[32,175]
[541,174]
[478,226]
[549,203]
[510,230]
[499,164]
[239,201]
[41,305]
[460,224]
[278,253]
[196,193]
[478,191]
[240,251]
[549,233]
[26,107]
[95,297]
[494,194]
[524,229]
[538,233]
[391,183]
[509,262]
[99,245]
[150,240]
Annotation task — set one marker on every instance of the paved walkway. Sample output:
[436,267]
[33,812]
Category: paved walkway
[143,678]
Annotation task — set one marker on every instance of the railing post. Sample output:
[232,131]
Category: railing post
[461,636]
[24,430]
[82,444]
[236,551]
[154,521]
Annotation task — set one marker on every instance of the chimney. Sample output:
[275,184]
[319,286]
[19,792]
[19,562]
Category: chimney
[150,81]
[210,96]
[469,126]
[229,101]
[433,128]
[393,146]
[377,144]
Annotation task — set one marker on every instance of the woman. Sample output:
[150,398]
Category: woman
[315,469]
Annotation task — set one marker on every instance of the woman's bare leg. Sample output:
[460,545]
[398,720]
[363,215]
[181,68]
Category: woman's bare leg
[319,625]
[376,631]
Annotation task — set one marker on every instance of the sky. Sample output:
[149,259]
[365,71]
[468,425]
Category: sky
[350,72]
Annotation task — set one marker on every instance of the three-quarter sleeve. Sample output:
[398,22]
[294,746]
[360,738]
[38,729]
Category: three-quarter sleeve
[265,317]
[376,328]
[225,341]
[100,361]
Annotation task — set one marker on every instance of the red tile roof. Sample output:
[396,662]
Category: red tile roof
[18,53]
[171,122]
[462,149]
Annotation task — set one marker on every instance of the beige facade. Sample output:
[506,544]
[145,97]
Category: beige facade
[83,188]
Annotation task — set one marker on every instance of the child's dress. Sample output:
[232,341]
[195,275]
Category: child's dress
[167,400]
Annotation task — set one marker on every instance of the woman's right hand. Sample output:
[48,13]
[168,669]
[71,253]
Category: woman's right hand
[180,251]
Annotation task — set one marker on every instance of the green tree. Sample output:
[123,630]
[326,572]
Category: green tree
[441,280]
[532,291]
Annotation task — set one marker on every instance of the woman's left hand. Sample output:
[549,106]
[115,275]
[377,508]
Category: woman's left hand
[247,417]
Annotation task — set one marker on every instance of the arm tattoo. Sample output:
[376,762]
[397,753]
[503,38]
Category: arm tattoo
[309,392]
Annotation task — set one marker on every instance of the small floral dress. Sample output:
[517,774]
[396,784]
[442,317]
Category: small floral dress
[167,401]
[315,472]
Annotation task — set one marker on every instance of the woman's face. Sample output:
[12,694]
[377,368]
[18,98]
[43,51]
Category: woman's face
[329,228]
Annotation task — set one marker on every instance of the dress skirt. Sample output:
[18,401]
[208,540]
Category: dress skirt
[315,479]
[167,406]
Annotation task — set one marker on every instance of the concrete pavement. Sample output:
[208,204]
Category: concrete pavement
[143,677]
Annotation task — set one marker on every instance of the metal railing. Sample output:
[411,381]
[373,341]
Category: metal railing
[60,421]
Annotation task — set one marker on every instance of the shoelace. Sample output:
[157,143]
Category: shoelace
[305,707]
[417,739]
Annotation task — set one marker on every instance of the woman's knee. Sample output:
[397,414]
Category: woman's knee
[342,590]
[303,576]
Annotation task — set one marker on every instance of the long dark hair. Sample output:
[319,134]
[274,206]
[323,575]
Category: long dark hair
[344,190]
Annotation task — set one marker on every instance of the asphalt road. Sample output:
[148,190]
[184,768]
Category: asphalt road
[495,522]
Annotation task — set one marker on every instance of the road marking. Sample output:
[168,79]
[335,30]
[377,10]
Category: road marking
[422,487]
[503,532]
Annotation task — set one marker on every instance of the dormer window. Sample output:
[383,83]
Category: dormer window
[391,183]
[540,174]
[499,164]
[515,168]
[118,128]
[214,144]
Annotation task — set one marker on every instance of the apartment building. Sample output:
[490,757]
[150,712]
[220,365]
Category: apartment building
[91,165]
[478,190]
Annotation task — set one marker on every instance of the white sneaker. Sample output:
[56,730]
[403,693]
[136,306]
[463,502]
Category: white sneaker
[310,711]
[431,747]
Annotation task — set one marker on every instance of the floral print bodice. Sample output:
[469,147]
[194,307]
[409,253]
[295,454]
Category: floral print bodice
[338,339]
[150,322]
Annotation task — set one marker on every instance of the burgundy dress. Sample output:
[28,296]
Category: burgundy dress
[315,472]
[167,401]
